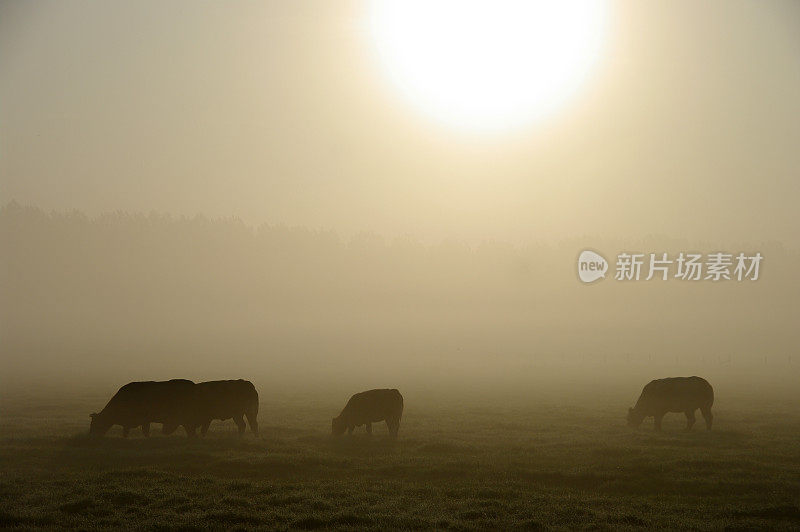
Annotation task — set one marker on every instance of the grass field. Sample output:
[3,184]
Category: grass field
[491,462]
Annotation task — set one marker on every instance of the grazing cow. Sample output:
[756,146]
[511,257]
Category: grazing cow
[675,394]
[137,404]
[366,408]
[229,399]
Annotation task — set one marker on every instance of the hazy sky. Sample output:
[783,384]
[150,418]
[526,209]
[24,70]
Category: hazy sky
[279,112]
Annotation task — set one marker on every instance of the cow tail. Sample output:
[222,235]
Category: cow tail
[252,407]
[251,411]
[400,414]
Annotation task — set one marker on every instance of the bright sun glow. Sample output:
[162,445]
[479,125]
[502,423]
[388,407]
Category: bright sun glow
[488,65]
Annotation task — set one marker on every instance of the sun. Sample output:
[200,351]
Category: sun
[488,65]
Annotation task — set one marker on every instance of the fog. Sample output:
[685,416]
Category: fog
[204,191]
[279,113]
[122,297]
[364,220]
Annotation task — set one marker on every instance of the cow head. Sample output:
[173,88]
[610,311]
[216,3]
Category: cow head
[99,425]
[634,418]
[338,426]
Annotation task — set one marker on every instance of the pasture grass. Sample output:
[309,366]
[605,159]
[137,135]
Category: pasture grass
[492,464]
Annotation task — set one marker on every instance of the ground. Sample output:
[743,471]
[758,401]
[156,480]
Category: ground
[490,463]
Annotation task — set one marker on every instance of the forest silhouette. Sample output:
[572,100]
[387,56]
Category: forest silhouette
[142,295]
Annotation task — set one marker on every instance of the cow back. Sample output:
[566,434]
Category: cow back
[373,405]
[172,401]
[228,398]
[675,394]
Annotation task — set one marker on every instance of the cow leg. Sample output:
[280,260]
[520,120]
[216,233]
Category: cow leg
[394,426]
[708,416]
[204,428]
[369,429]
[239,420]
[191,431]
[146,429]
[125,431]
[657,420]
[690,419]
[251,418]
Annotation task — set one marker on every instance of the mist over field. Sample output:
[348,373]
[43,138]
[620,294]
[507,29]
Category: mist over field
[283,265]
[92,300]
